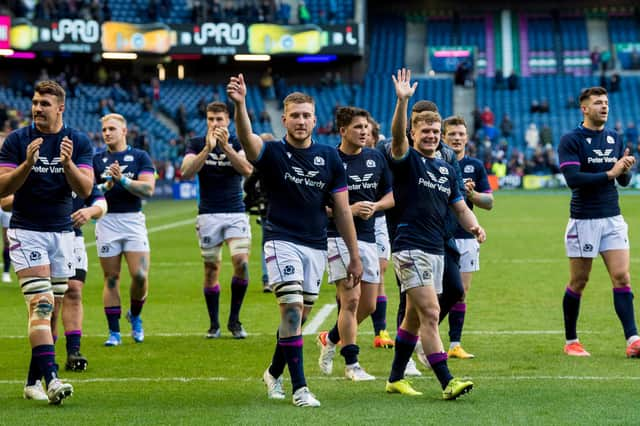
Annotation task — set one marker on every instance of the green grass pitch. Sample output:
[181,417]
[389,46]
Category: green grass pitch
[514,327]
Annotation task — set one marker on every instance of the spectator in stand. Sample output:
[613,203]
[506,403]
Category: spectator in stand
[487,117]
[516,163]
[551,160]
[181,119]
[631,133]
[506,126]
[619,130]
[284,12]
[513,83]
[595,59]
[535,106]
[614,83]
[266,85]
[477,121]
[532,138]
[544,106]
[571,103]
[304,16]
[332,11]
[498,80]
[605,58]
[265,118]
[546,136]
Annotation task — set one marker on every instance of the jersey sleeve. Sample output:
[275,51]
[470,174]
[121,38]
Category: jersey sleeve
[9,155]
[482,180]
[569,160]
[146,165]
[82,150]
[265,154]
[455,195]
[568,153]
[386,181]
[96,194]
[338,174]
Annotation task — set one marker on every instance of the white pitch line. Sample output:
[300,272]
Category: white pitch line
[159,228]
[313,325]
[325,378]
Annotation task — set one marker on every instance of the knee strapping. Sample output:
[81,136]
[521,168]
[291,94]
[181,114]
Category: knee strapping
[239,246]
[39,299]
[59,286]
[289,292]
[212,254]
[309,298]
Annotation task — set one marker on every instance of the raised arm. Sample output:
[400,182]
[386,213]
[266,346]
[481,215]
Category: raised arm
[12,178]
[404,91]
[251,143]
[192,163]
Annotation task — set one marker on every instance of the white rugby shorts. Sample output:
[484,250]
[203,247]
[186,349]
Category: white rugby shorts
[338,256]
[121,232]
[588,237]
[33,248]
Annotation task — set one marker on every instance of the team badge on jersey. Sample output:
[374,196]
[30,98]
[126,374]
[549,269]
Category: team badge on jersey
[469,168]
[128,158]
[318,161]
[443,171]
[371,163]
[610,140]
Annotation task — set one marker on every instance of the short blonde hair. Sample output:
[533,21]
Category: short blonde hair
[427,117]
[114,116]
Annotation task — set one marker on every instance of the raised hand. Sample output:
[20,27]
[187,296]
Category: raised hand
[210,140]
[402,83]
[221,134]
[33,151]
[66,150]
[115,172]
[479,233]
[236,89]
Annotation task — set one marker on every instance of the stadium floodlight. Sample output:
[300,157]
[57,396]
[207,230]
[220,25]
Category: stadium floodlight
[258,58]
[119,55]
[6,52]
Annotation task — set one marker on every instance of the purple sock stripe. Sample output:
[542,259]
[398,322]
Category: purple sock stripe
[332,258]
[135,302]
[73,332]
[437,357]
[405,336]
[239,281]
[573,293]
[381,299]
[44,354]
[269,259]
[113,311]
[626,289]
[212,290]
[297,342]
[459,307]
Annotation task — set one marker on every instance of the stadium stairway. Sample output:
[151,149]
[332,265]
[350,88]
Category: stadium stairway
[273,109]
[464,100]
[166,120]
[597,33]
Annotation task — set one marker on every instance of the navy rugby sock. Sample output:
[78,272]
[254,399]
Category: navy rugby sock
[212,297]
[456,321]
[438,362]
[113,317]
[405,344]
[73,340]
[379,316]
[238,290]
[623,302]
[45,357]
[292,349]
[571,309]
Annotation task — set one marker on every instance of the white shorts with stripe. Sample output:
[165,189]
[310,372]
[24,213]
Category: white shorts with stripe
[287,261]
[32,248]
[215,228]
[382,238]
[121,232]
[338,256]
[469,250]
[588,237]
[416,268]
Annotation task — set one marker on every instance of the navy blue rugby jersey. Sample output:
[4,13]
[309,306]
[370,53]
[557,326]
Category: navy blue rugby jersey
[220,184]
[473,169]
[79,203]
[369,179]
[43,203]
[593,152]
[299,184]
[428,187]
[133,163]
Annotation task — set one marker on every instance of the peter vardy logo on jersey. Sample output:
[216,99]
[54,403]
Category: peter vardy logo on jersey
[602,156]
[318,161]
[217,160]
[362,182]
[303,177]
[44,165]
[436,183]
[371,164]
[469,168]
